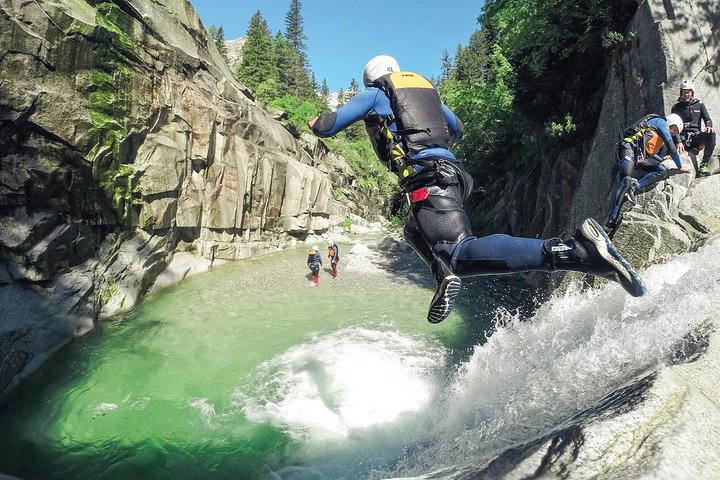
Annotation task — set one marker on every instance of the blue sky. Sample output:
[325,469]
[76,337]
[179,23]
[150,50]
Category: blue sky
[343,36]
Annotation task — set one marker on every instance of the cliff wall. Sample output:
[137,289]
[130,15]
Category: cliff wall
[124,138]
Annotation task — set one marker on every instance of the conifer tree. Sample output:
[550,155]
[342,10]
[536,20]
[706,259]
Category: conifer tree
[447,66]
[217,34]
[285,59]
[297,77]
[294,30]
[258,62]
[472,63]
[354,87]
[325,95]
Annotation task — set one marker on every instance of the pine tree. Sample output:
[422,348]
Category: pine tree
[294,30]
[258,62]
[324,88]
[325,93]
[218,37]
[354,87]
[285,59]
[297,77]
[447,66]
[472,64]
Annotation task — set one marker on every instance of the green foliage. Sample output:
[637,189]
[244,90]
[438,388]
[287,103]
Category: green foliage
[109,104]
[371,173]
[400,217]
[294,78]
[339,194]
[110,290]
[268,90]
[300,111]
[527,80]
[490,108]
[553,129]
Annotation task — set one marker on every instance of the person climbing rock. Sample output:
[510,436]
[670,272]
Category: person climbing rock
[640,156]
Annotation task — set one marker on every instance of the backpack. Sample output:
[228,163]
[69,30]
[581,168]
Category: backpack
[635,131]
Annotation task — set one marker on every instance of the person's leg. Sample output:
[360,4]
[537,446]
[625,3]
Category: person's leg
[315,274]
[647,182]
[706,142]
[439,220]
[626,170]
[709,146]
[415,239]
[589,250]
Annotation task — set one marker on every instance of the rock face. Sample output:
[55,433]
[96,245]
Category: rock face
[124,137]
[670,41]
[667,42]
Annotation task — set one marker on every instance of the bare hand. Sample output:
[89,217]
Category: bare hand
[684,169]
[709,129]
[680,147]
[312,122]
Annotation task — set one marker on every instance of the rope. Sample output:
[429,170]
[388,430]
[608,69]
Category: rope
[709,67]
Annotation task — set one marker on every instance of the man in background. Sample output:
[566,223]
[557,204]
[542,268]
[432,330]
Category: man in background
[698,134]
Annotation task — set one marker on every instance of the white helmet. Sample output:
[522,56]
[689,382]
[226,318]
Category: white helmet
[687,85]
[674,119]
[316,248]
[330,243]
[379,66]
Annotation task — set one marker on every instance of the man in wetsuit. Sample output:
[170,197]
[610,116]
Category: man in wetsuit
[412,131]
[694,136]
[640,155]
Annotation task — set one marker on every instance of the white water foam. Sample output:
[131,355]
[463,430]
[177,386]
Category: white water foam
[530,377]
[342,383]
[381,393]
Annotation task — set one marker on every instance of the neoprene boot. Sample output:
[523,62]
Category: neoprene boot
[591,251]
[443,301]
[447,291]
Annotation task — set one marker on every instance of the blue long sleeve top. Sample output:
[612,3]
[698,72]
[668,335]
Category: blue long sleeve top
[661,126]
[372,100]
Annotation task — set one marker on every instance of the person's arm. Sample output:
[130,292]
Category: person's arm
[677,139]
[706,118]
[457,129]
[357,107]
[664,132]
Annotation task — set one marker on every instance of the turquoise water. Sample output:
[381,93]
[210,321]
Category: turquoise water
[248,372]
[180,388]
